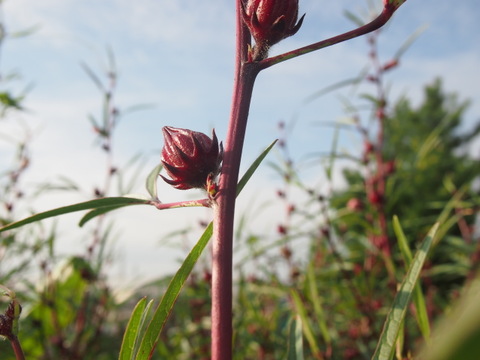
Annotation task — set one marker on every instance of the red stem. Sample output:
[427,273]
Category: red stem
[224,208]
[17,348]
[378,22]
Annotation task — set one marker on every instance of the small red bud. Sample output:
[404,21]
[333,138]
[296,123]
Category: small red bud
[375,198]
[270,21]
[282,229]
[191,158]
[354,204]
[368,147]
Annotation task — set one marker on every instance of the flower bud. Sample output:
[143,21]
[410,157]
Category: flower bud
[190,157]
[270,21]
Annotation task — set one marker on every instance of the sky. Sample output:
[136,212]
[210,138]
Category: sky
[177,56]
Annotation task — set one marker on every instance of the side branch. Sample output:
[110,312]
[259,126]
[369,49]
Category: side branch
[387,12]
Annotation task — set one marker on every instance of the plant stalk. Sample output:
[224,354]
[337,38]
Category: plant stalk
[17,348]
[224,207]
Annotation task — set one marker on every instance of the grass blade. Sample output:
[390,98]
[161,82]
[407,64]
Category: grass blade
[317,305]
[134,329]
[248,174]
[386,344]
[295,340]
[163,310]
[418,298]
[302,313]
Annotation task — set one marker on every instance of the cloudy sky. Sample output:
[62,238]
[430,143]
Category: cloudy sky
[177,55]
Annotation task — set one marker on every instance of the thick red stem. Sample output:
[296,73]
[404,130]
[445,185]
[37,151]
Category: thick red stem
[224,207]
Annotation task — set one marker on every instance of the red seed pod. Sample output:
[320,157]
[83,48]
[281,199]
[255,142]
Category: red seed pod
[190,158]
[281,229]
[270,21]
[375,198]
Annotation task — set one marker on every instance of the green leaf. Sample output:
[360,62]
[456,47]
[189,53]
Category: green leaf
[418,298]
[295,340]
[97,212]
[302,313]
[386,345]
[91,204]
[151,182]
[317,304]
[134,329]
[248,174]
[163,310]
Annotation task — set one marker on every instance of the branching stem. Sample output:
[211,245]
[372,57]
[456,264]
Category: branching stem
[224,204]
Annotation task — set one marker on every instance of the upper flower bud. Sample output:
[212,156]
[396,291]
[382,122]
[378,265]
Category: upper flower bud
[269,22]
[190,158]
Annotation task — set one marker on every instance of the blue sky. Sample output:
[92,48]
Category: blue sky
[178,56]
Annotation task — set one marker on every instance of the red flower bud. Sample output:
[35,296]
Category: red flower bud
[270,21]
[190,157]
[375,198]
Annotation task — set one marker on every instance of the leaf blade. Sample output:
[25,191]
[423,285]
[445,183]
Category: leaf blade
[87,205]
[132,331]
[163,310]
[386,343]
[418,298]
[151,182]
[295,340]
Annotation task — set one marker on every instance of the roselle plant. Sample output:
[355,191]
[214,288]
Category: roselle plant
[194,160]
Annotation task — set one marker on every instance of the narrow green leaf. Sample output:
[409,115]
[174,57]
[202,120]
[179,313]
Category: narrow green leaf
[317,304]
[163,310]
[302,313]
[386,345]
[97,212]
[353,18]
[91,204]
[91,74]
[409,41]
[418,298]
[133,330]
[151,182]
[248,174]
[295,340]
